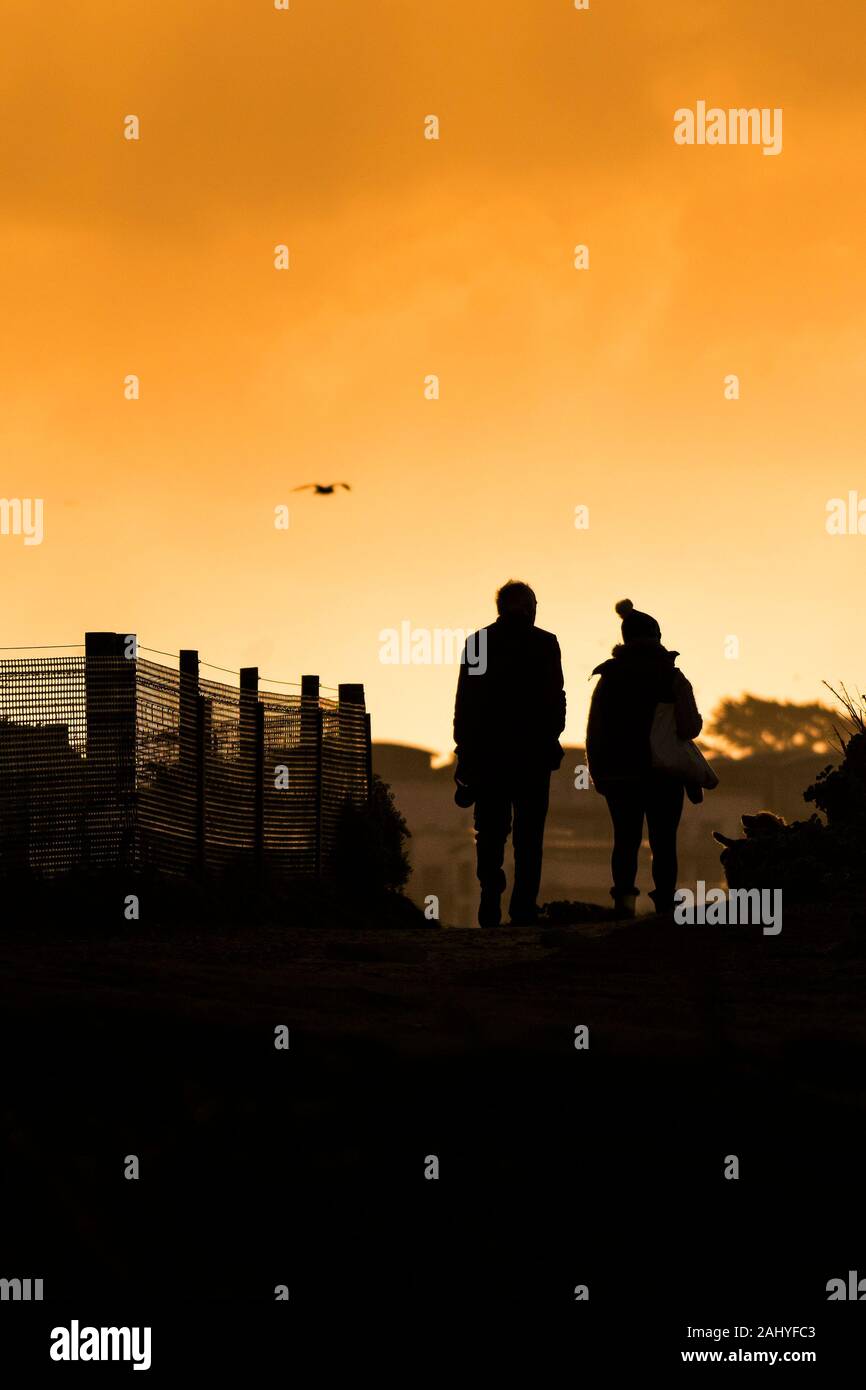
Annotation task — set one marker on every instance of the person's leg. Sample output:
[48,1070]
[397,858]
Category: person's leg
[664,808]
[531,797]
[492,824]
[626,805]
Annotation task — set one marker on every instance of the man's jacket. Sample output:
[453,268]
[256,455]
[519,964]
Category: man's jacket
[510,707]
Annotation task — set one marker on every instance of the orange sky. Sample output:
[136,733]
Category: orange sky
[409,257]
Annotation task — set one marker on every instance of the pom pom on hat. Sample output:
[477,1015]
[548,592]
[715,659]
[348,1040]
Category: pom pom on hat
[637,626]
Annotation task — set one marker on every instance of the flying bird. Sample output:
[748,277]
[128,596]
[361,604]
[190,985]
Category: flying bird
[321,489]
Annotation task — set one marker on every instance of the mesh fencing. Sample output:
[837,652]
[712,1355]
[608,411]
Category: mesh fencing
[110,762]
[293,782]
[166,770]
[344,749]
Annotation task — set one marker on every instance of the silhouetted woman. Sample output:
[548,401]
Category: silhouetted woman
[640,674]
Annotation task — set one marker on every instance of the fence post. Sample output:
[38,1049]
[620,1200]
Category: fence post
[260,785]
[252,752]
[191,748]
[109,700]
[311,737]
[355,728]
[368,755]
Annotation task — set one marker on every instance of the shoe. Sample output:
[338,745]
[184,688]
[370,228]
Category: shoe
[528,918]
[489,910]
[625,904]
[662,905]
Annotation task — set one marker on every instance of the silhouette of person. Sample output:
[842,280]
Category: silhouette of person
[508,715]
[640,673]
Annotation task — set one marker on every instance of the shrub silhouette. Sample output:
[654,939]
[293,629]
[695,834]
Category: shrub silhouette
[815,858]
[370,857]
[840,792]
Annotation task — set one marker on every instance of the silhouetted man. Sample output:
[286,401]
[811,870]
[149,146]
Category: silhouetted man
[509,713]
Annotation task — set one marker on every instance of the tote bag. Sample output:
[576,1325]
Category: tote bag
[678,756]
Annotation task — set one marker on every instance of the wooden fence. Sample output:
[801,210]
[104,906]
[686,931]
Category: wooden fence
[110,760]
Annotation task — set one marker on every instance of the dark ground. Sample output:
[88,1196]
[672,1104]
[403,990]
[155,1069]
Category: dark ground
[558,1166]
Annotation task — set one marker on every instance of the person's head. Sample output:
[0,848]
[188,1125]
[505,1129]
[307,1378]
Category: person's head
[516,600]
[637,626]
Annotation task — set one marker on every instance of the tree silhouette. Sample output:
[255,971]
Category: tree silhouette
[751,725]
[370,856]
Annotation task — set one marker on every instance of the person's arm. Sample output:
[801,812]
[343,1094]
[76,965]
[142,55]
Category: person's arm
[461,706]
[594,735]
[556,692]
[688,720]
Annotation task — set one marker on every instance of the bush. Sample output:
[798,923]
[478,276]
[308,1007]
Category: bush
[815,859]
[840,792]
[370,857]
